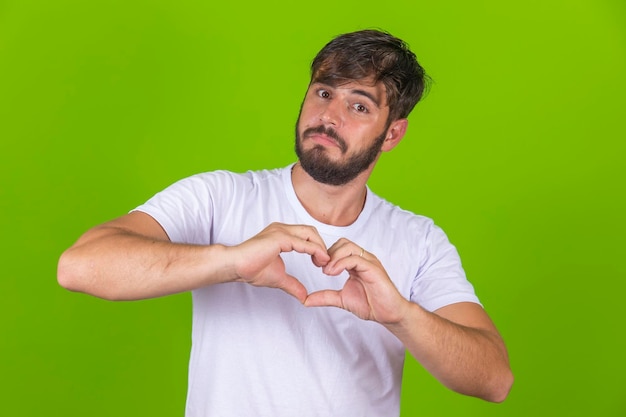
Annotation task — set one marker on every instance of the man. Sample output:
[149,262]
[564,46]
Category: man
[315,231]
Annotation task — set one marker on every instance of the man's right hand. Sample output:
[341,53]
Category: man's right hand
[257,261]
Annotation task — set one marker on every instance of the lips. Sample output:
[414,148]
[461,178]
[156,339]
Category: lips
[325,136]
[323,139]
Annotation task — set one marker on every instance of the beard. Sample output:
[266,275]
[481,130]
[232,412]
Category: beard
[318,165]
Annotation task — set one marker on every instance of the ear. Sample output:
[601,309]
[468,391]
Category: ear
[395,133]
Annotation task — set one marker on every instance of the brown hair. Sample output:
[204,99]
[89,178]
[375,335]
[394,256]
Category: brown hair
[376,55]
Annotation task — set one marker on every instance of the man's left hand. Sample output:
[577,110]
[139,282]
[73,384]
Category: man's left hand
[368,293]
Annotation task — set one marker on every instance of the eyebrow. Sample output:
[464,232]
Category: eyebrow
[356,91]
[368,95]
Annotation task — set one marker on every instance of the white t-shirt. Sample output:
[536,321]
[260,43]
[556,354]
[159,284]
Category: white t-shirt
[258,351]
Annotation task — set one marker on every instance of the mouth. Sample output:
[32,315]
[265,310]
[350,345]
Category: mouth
[325,138]
[322,139]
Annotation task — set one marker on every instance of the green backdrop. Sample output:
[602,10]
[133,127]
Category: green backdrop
[517,152]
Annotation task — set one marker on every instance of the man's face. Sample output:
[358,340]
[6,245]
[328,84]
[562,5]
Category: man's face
[341,130]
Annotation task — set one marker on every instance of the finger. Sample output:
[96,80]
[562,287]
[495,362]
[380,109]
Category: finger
[340,246]
[343,249]
[353,263]
[309,233]
[293,287]
[318,253]
[308,240]
[324,298]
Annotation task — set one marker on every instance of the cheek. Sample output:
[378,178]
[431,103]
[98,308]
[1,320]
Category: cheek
[307,115]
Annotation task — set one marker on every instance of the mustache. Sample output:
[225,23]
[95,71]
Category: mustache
[328,131]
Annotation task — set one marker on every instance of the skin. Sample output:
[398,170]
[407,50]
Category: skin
[132,258]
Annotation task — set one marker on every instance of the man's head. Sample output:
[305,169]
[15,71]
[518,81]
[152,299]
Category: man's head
[376,56]
[363,86]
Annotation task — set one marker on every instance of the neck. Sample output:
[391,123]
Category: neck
[334,205]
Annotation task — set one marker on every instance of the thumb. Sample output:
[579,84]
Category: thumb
[324,298]
[293,287]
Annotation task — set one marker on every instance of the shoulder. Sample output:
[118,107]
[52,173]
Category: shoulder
[418,233]
[224,181]
[398,218]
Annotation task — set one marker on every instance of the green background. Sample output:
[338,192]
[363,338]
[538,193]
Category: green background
[517,152]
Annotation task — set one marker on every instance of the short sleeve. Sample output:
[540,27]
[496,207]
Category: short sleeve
[184,210]
[440,279]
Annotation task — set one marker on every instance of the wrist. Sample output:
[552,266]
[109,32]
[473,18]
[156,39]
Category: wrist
[220,264]
[407,315]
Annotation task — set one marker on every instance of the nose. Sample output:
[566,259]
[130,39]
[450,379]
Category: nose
[331,113]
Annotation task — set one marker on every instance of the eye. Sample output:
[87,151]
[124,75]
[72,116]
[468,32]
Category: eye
[323,93]
[360,108]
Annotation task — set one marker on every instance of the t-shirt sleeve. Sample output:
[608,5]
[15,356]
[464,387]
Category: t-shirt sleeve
[185,210]
[440,279]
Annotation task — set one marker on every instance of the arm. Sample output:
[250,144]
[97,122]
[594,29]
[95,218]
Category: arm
[460,346]
[458,343]
[132,258]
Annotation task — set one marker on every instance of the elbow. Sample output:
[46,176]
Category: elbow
[68,276]
[493,387]
[76,276]
[501,387]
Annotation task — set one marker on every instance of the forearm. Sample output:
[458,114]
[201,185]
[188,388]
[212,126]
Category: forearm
[117,264]
[470,360]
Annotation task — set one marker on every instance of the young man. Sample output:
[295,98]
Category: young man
[315,231]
